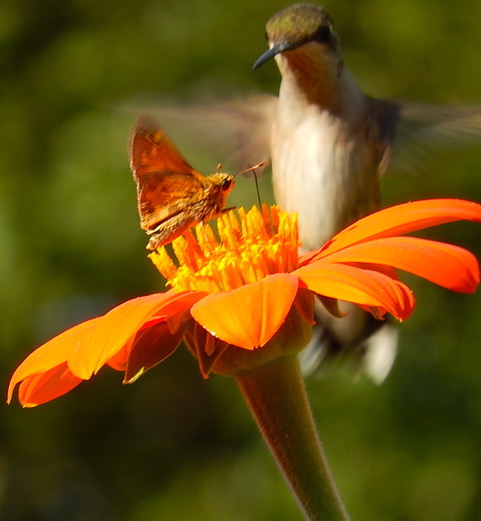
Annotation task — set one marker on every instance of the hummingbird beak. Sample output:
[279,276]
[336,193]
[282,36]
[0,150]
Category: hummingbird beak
[270,53]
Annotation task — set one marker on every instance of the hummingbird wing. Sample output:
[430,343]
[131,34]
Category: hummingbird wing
[236,130]
[380,120]
[368,344]
[424,130]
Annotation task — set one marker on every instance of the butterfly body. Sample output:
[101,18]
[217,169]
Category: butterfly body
[171,195]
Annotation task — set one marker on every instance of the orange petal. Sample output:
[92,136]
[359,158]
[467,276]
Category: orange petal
[248,316]
[360,286]
[150,347]
[206,348]
[43,387]
[445,264]
[399,220]
[121,324]
[171,327]
[50,355]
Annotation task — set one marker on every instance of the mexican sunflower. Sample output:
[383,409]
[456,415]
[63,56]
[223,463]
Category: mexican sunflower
[244,297]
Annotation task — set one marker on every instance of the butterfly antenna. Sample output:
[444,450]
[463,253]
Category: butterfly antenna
[253,170]
[257,190]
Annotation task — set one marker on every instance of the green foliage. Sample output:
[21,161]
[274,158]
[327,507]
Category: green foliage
[172,446]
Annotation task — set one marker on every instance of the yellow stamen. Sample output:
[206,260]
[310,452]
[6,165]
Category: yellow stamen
[251,245]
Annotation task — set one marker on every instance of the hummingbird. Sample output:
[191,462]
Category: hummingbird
[330,145]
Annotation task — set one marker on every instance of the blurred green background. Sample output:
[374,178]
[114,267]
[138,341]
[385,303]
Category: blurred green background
[173,446]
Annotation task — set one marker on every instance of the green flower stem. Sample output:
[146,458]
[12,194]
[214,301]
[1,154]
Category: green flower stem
[277,398]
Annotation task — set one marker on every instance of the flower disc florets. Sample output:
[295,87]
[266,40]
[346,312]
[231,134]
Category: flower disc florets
[249,246]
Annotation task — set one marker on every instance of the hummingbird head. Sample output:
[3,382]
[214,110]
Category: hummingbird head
[298,25]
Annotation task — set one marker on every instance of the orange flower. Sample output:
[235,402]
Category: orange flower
[246,298]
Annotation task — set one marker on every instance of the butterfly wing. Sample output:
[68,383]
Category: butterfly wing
[165,180]
[151,150]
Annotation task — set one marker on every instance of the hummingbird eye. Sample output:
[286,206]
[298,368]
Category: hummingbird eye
[323,34]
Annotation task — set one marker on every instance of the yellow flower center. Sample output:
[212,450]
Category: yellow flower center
[250,246]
